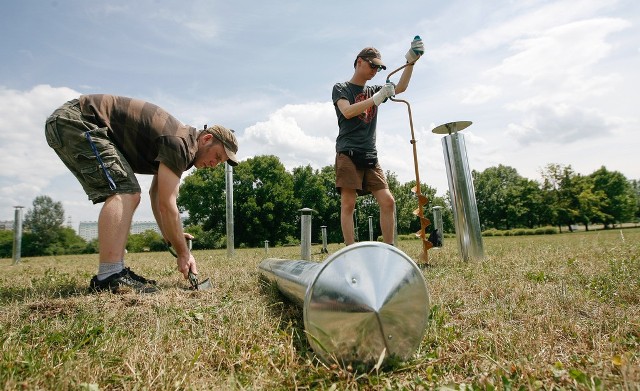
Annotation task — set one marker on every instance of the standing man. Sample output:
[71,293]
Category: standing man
[356,165]
[105,140]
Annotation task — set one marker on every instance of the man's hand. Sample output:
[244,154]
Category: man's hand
[186,263]
[387,91]
[417,50]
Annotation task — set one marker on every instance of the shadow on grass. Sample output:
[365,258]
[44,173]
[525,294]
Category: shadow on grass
[289,313]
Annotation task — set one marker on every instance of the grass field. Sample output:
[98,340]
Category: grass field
[539,312]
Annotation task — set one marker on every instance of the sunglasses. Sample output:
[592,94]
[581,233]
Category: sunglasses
[374,66]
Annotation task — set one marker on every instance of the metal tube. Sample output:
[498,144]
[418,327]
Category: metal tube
[366,301]
[463,198]
[305,233]
[438,225]
[370,228]
[229,201]
[324,240]
[17,235]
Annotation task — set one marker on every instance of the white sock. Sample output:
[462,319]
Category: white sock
[107,269]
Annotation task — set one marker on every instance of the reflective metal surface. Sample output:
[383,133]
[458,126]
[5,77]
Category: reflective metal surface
[463,197]
[451,127]
[366,300]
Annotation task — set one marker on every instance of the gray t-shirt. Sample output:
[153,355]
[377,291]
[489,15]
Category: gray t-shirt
[357,133]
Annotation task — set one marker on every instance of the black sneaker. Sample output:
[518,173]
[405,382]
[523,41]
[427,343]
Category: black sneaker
[140,278]
[121,283]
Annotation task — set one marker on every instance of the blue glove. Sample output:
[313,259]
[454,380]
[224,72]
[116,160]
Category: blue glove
[417,50]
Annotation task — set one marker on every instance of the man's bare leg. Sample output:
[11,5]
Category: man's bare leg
[347,207]
[114,224]
[387,205]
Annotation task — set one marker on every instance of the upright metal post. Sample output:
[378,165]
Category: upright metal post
[266,247]
[463,198]
[17,234]
[324,240]
[365,303]
[438,225]
[229,201]
[305,233]
[371,228]
[395,225]
[355,225]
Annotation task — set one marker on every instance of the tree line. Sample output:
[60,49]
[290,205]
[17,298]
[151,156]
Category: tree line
[268,198]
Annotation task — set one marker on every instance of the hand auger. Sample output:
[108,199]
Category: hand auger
[422,199]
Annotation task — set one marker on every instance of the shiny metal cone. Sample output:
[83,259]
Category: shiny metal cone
[365,300]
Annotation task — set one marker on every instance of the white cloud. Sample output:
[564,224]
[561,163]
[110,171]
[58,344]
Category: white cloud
[297,134]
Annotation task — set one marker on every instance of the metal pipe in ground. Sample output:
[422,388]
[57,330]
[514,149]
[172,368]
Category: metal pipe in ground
[366,301]
[17,235]
[463,197]
[305,233]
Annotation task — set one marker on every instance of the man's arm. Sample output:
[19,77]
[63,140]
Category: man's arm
[164,194]
[403,83]
[353,110]
[350,110]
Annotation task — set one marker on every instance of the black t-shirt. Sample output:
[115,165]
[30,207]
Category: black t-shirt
[357,133]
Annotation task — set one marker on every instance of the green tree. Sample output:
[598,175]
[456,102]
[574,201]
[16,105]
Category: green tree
[264,205]
[621,200]
[505,199]
[590,202]
[310,192]
[635,185]
[44,221]
[6,244]
[149,240]
[562,188]
[330,214]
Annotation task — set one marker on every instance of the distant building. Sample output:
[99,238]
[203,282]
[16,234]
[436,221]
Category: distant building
[88,230]
[6,225]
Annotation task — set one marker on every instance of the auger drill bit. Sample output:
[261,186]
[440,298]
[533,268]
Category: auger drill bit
[422,199]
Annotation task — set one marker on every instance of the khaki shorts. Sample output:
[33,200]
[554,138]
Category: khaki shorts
[364,181]
[66,131]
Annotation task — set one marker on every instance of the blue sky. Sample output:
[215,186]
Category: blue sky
[543,81]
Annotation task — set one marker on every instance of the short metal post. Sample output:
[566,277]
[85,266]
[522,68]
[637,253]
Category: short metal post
[324,240]
[355,225]
[438,225]
[266,246]
[17,234]
[229,210]
[371,228]
[305,233]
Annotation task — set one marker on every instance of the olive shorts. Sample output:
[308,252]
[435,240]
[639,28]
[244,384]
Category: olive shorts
[101,172]
[364,181]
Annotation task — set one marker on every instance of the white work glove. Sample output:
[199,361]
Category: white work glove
[417,50]
[387,91]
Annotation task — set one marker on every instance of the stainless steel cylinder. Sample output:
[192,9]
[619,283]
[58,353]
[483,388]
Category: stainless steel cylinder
[305,233]
[463,198]
[17,235]
[229,205]
[366,301]
[438,225]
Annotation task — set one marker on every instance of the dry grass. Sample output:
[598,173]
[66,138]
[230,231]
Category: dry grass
[543,312]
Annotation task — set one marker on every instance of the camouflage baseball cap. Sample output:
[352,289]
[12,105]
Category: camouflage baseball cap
[228,140]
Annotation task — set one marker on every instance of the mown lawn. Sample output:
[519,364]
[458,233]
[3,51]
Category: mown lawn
[539,312]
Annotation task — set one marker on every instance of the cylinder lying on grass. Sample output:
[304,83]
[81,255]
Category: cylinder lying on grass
[366,301]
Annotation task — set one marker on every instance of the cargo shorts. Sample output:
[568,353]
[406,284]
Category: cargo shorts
[88,152]
[364,181]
